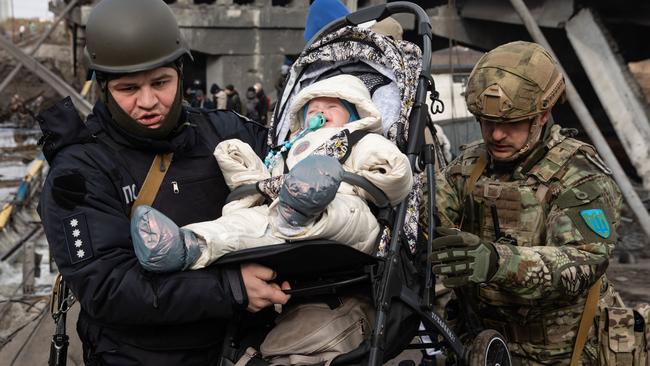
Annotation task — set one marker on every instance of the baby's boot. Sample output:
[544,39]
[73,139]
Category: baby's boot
[160,245]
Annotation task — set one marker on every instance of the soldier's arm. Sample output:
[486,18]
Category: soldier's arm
[580,236]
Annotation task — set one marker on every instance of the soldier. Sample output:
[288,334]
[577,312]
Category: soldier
[529,214]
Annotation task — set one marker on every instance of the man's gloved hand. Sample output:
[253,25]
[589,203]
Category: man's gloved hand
[160,245]
[308,188]
[463,258]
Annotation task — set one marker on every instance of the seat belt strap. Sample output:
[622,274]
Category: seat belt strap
[479,167]
[152,181]
[586,321]
[470,183]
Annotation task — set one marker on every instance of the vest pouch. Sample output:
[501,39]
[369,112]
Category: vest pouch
[311,333]
[622,336]
[642,333]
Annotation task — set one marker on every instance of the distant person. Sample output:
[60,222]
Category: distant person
[201,102]
[281,81]
[233,102]
[219,97]
[253,105]
[265,103]
[321,13]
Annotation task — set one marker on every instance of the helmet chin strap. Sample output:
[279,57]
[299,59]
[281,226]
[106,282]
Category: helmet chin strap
[534,135]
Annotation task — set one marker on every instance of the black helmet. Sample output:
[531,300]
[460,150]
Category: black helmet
[125,36]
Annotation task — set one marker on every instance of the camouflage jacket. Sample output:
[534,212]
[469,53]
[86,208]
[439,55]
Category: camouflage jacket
[560,208]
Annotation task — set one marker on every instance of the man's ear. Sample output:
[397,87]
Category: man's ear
[544,118]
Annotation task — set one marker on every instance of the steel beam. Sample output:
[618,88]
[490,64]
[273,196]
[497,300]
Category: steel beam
[547,13]
[58,84]
[447,23]
[38,44]
[611,79]
[589,124]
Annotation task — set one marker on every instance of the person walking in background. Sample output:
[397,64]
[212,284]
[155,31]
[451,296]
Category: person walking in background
[200,101]
[233,102]
[219,97]
[253,104]
[264,102]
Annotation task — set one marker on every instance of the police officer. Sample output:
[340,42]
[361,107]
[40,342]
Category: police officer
[529,214]
[129,316]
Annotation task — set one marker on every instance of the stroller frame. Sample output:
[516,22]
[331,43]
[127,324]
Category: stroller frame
[386,270]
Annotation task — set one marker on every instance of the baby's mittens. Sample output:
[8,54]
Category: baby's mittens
[160,245]
[308,188]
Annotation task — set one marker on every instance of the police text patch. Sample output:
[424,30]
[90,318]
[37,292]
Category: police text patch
[77,238]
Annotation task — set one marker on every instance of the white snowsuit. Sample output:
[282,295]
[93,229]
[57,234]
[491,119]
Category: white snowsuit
[347,219]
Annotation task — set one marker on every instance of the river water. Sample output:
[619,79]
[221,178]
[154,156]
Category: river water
[18,147]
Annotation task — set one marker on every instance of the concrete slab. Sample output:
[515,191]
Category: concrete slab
[611,81]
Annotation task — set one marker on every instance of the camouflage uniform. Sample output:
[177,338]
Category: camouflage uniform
[555,201]
[537,295]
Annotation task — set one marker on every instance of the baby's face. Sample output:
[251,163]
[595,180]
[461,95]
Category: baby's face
[336,115]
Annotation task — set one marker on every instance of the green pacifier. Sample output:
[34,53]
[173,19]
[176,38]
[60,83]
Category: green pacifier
[316,121]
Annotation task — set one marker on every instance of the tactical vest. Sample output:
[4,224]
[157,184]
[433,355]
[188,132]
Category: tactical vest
[520,204]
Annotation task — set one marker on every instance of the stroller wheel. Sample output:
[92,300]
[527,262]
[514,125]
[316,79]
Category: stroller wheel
[489,348]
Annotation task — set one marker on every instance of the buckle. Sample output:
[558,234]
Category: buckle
[492,191]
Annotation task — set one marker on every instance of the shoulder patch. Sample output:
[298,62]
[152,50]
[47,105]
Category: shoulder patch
[77,237]
[596,221]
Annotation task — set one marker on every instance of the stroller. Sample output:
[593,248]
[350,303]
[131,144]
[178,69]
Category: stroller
[398,277]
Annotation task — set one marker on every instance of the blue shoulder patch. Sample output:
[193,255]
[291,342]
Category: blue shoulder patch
[77,238]
[596,221]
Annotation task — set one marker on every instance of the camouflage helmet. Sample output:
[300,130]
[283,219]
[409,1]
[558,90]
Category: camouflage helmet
[126,36]
[514,81]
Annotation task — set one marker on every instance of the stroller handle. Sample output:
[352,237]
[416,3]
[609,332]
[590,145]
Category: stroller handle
[381,12]
[379,197]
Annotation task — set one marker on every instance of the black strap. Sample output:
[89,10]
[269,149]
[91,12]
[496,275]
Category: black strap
[353,138]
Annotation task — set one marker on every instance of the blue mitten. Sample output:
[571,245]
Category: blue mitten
[160,245]
[308,188]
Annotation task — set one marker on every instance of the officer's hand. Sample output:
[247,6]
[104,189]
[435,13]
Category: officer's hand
[463,257]
[261,292]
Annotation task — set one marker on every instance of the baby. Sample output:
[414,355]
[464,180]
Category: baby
[334,126]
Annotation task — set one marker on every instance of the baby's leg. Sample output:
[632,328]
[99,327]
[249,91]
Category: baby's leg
[347,220]
[239,229]
[160,245]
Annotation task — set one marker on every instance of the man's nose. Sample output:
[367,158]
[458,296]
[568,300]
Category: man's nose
[498,132]
[147,98]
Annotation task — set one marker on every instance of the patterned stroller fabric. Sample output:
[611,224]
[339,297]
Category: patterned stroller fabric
[402,60]
[398,65]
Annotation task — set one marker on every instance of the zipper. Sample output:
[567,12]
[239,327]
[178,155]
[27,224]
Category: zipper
[354,326]
[175,187]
